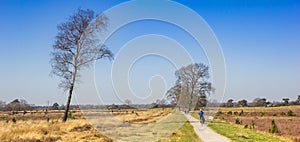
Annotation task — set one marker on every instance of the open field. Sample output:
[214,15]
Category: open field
[286,120]
[47,126]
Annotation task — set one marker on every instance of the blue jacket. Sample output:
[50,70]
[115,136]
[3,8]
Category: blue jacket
[201,113]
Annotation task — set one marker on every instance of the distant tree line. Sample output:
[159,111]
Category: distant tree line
[23,105]
[260,102]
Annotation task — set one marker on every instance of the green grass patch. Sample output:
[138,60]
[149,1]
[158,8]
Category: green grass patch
[240,134]
[184,134]
[195,115]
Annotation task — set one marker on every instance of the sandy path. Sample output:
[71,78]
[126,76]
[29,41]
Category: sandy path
[205,133]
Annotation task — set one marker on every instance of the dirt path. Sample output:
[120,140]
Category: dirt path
[205,133]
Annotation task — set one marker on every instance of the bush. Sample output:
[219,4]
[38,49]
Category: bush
[235,113]
[246,126]
[70,115]
[252,124]
[14,120]
[262,114]
[282,113]
[274,128]
[274,114]
[229,112]
[290,113]
[219,113]
[241,113]
[237,121]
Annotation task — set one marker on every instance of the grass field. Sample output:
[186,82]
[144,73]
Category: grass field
[184,134]
[47,126]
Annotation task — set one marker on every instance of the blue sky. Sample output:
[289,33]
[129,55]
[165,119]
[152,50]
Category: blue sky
[259,39]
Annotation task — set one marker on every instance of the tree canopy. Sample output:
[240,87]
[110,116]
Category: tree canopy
[76,47]
[192,86]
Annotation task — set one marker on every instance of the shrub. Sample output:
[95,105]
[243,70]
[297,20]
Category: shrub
[282,113]
[229,112]
[274,128]
[262,114]
[252,124]
[14,120]
[241,113]
[70,115]
[219,113]
[290,113]
[246,126]
[274,114]
[235,113]
[237,121]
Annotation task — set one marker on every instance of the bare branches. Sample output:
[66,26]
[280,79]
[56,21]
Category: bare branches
[76,46]
[191,84]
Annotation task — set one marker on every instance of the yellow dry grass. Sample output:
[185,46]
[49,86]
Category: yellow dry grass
[142,116]
[35,127]
[42,130]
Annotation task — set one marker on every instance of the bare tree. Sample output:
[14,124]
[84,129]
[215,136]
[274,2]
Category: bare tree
[259,102]
[127,102]
[242,103]
[76,47]
[192,82]
[2,105]
[229,103]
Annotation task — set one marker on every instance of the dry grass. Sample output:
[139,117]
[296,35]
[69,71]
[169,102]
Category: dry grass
[35,126]
[142,116]
[34,130]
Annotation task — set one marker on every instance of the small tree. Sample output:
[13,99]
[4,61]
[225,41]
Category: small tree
[127,102]
[55,106]
[259,102]
[286,101]
[242,103]
[76,48]
[229,103]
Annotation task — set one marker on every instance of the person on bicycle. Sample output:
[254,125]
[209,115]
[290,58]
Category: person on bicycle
[201,115]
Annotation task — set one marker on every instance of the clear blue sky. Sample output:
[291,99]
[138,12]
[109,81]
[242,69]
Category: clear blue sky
[260,40]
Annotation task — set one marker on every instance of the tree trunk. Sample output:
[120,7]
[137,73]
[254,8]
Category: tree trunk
[68,103]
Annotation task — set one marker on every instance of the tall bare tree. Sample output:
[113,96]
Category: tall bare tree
[76,47]
[191,85]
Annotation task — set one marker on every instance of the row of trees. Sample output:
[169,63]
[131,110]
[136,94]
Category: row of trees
[15,105]
[23,105]
[260,102]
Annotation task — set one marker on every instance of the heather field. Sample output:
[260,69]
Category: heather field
[279,121]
